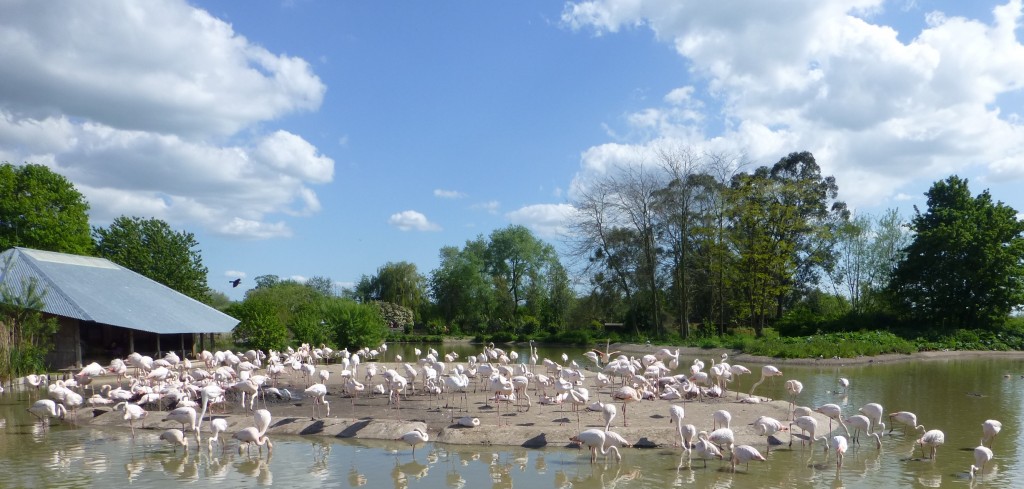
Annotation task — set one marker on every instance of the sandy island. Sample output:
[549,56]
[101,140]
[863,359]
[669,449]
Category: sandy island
[371,417]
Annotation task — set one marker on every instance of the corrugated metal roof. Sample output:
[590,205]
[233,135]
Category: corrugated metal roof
[95,289]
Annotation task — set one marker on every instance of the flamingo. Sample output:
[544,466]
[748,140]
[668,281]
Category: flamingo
[933,439]
[766,371]
[413,438]
[595,440]
[989,429]
[675,415]
[767,426]
[833,411]
[608,412]
[809,425]
[982,456]
[860,422]
[705,449]
[874,412]
[626,394]
[184,415]
[723,438]
[744,454]
[468,422]
[46,408]
[845,384]
[175,437]
[251,435]
[794,387]
[840,444]
[721,417]
[319,394]
[219,425]
[262,419]
[131,413]
[907,418]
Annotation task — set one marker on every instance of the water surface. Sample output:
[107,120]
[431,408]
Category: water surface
[955,396]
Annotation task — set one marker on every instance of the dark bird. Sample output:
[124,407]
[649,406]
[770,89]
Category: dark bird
[235,282]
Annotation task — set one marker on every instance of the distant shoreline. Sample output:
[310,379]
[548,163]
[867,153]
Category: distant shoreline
[738,356]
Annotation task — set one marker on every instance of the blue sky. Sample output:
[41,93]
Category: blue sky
[304,138]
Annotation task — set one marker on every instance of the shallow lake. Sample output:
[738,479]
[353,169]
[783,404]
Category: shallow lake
[955,396]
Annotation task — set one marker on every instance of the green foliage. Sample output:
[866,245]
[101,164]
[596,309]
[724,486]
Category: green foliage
[42,210]
[307,326]
[355,325]
[965,266]
[25,334]
[151,248]
[259,325]
[397,283]
[830,345]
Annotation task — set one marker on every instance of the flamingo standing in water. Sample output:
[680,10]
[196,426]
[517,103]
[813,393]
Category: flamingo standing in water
[907,418]
[840,445]
[933,439]
[744,454]
[989,429]
[176,438]
[766,371]
[413,438]
[982,456]
[705,449]
[874,412]
[46,408]
[809,425]
[595,440]
[833,411]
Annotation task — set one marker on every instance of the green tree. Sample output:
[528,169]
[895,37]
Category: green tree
[323,285]
[965,265]
[260,325]
[813,217]
[41,209]
[355,325]
[460,288]
[151,248]
[765,260]
[25,334]
[514,254]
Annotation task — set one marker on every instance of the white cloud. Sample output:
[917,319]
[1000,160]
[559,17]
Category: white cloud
[547,220]
[137,113]
[412,221]
[490,207]
[234,274]
[448,194]
[880,114]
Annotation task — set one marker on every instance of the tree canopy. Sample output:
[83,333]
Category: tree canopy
[151,248]
[965,266]
[43,210]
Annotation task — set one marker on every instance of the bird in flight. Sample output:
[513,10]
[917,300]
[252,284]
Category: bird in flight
[235,282]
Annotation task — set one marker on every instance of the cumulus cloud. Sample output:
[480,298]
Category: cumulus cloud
[547,220]
[412,221]
[136,113]
[880,113]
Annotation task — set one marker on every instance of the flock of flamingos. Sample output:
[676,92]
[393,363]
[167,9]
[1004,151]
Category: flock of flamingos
[190,389]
